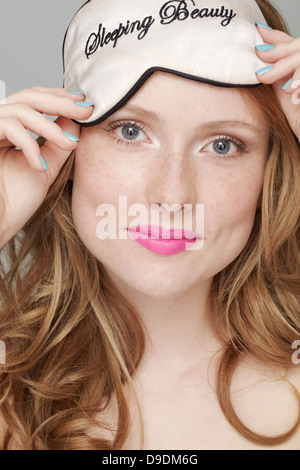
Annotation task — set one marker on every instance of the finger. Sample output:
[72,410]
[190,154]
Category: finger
[273,36]
[281,70]
[292,87]
[68,126]
[58,91]
[73,95]
[12,130]
[40,125]
[54,155]
[50,104]
[290,103]
[280,50]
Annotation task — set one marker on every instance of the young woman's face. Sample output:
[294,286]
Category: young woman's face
[175,142]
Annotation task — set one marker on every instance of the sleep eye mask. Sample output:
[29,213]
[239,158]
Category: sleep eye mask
[112,47]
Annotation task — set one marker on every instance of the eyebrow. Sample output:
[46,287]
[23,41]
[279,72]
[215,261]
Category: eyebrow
[143,112]
[236,124]
[205,126]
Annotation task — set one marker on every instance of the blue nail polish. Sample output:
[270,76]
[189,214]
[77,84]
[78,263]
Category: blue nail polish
[77,93]
[287,84]
[44,163]
[83,104]
[264,70]
[263,25]
[71,136]
[265,47]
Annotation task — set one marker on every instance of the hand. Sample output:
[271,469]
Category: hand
[24,182]
[285,59]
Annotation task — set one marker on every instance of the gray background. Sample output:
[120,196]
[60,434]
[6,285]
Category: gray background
[32,33]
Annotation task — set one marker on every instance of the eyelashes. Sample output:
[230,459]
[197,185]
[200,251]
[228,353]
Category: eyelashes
[241,146]
[133,129]
[126,124]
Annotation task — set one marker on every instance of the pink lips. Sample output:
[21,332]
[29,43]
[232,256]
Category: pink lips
[163,241]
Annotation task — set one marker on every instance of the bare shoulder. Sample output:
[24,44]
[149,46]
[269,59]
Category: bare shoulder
[293,376]
[267,399]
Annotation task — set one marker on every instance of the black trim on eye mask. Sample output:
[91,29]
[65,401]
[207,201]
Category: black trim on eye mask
[145,77]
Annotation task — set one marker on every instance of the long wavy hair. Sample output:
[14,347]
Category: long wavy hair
[73,342]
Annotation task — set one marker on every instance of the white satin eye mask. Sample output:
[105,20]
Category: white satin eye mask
[112,46]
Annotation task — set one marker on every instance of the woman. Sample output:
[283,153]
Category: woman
[113,345]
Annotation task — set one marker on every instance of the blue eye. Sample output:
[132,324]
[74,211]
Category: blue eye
[221,147]
[130,132]
[226,147]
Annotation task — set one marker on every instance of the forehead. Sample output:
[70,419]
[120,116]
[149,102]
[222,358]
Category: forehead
[166,94]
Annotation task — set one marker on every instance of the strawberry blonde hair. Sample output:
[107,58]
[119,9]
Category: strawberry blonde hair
[72,341]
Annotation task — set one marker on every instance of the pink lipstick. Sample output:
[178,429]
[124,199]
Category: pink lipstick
[163,241]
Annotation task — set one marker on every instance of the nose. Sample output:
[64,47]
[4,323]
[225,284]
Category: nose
[173,179]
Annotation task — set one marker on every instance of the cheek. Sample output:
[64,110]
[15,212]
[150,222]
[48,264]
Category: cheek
[235,193]
[89,192]
[244,193]
[230,214]
[97,180]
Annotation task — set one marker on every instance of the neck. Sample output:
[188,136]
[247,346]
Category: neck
[176,325]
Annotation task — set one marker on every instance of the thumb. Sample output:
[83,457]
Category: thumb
[55,156]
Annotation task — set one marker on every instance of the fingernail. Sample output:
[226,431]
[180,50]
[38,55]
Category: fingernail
[71,136]
[264,70]
[83,104]
[77,93]
[263,25]
[45,166]
[265,47]
[287,84]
